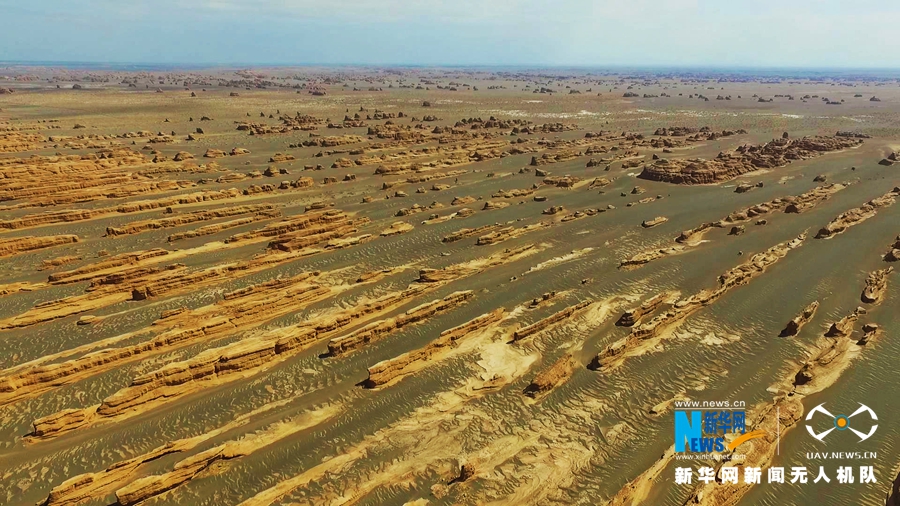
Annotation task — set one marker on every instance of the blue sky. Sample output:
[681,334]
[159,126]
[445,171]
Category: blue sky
[758,33]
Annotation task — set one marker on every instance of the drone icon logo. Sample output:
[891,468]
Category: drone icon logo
[841,422]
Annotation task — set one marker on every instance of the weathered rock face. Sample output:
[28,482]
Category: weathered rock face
[61,421]
[553,210]
[342,163]
[244,307]
[466,471]
[149,486]
[304,224]
[396,228]
[876,284]
[808,200]
[557,317]
[85,272]
[633,316]
[245,357]
[388,370]
[893,254]
[748,158]
[10,247]
[456,271]
[184,219]
[461,201]
[550,158]
[561,181]
[870,332]
[552,377]
[218,227]
[214,153]
[13,142]
[649,256]
[494,204]
[510,194]
[844,326]
[58,262]
[659,220]
[793,327]
[858,215]
[67,216]
[377,330]
[89,486]
[470,232]
[505,233]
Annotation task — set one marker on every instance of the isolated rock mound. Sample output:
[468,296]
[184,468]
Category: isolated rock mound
[793,327]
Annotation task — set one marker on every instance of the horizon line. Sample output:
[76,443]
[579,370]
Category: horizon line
[600,66]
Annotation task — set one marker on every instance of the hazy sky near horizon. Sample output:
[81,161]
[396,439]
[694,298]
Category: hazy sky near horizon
[768,33]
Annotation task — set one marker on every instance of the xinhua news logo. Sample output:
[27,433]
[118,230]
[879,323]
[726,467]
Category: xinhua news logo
[702,429]
[705,430]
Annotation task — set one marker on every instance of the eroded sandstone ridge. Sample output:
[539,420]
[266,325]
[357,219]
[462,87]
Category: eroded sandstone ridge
[876,284]
[633,316]
[893,254]
[377,330]
[248,356]
[793,327]
[10,247]
[555,318]
[844,326]
[615,354]
[553,376]
[744,159]
[183,219]
[387,371]
[692,238]
[858,215]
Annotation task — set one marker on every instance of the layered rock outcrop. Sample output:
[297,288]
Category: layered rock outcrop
[377,330]
[186,218]
[633,316]
[553,319]
[745,159]
[387,371]
[15,246]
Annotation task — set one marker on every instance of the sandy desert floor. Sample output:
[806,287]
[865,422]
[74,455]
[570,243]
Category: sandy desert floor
[407,286]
